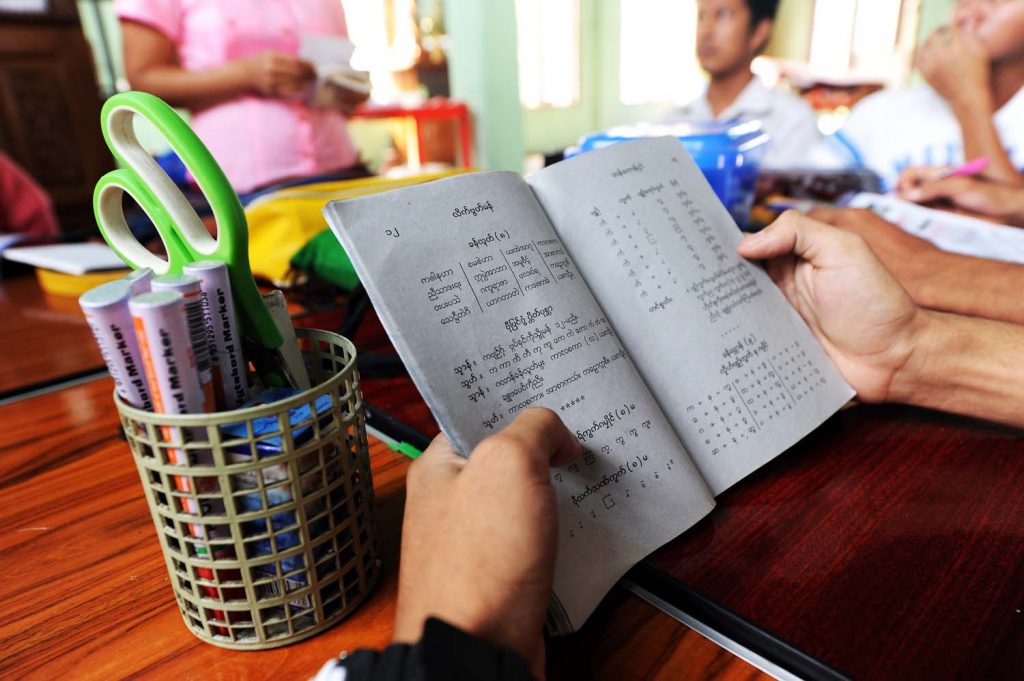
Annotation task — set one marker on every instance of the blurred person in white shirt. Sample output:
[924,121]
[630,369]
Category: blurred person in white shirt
[972,107]
[730,34]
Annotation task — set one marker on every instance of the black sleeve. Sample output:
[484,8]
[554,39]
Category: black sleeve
[444,652]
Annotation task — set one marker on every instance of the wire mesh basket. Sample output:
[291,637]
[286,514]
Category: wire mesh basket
[265,514]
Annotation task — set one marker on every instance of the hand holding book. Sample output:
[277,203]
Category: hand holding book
[500,498]
[826,273]
[889,348]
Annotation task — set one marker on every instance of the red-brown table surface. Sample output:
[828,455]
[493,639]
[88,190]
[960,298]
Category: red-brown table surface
[888,544]
[43,337]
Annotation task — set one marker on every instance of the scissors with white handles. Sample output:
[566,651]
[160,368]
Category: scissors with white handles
[185,238]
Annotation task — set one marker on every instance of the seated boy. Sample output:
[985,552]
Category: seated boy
[730,33]
[972,107]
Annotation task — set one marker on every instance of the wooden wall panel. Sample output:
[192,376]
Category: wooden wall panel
[49,109]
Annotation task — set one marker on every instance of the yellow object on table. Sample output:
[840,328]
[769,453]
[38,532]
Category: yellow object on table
[280,223]
[61,284]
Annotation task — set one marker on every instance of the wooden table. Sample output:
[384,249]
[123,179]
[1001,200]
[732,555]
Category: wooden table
[86,592]
[888,544]
[436,109]
[44,338]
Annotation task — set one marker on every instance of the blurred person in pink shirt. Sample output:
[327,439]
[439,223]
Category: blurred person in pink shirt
[25,207]
[234,64]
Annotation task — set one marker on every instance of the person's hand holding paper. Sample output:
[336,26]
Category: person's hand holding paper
[338,85]
[987,198]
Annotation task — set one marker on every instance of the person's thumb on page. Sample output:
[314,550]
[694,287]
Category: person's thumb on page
[794,233]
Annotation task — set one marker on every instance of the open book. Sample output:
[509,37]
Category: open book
[608,289]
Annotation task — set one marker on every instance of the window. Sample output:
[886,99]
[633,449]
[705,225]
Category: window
[549,52]
[658,61]
[384,33]
[869,39]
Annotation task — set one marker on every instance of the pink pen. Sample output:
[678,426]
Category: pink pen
[967,169]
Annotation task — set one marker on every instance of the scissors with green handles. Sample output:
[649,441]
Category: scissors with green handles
[185,238]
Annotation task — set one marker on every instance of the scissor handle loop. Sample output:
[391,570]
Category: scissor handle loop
[184,235]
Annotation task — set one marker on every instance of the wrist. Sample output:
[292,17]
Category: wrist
[969,104]
[964,365]
[912,381]
[242,75]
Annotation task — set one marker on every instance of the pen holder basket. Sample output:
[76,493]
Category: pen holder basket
[265,514]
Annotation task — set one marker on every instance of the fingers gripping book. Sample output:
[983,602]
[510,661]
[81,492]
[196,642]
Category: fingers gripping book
[606,288]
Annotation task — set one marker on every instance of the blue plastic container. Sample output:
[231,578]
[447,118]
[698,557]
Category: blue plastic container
[727,153]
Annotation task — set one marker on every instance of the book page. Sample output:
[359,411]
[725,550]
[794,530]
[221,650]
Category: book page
[734,367]
[490,317]
[76,259]
[949,231]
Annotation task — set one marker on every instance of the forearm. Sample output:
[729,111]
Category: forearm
[193,89]
[981,139]
[963,365]
[962,284]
